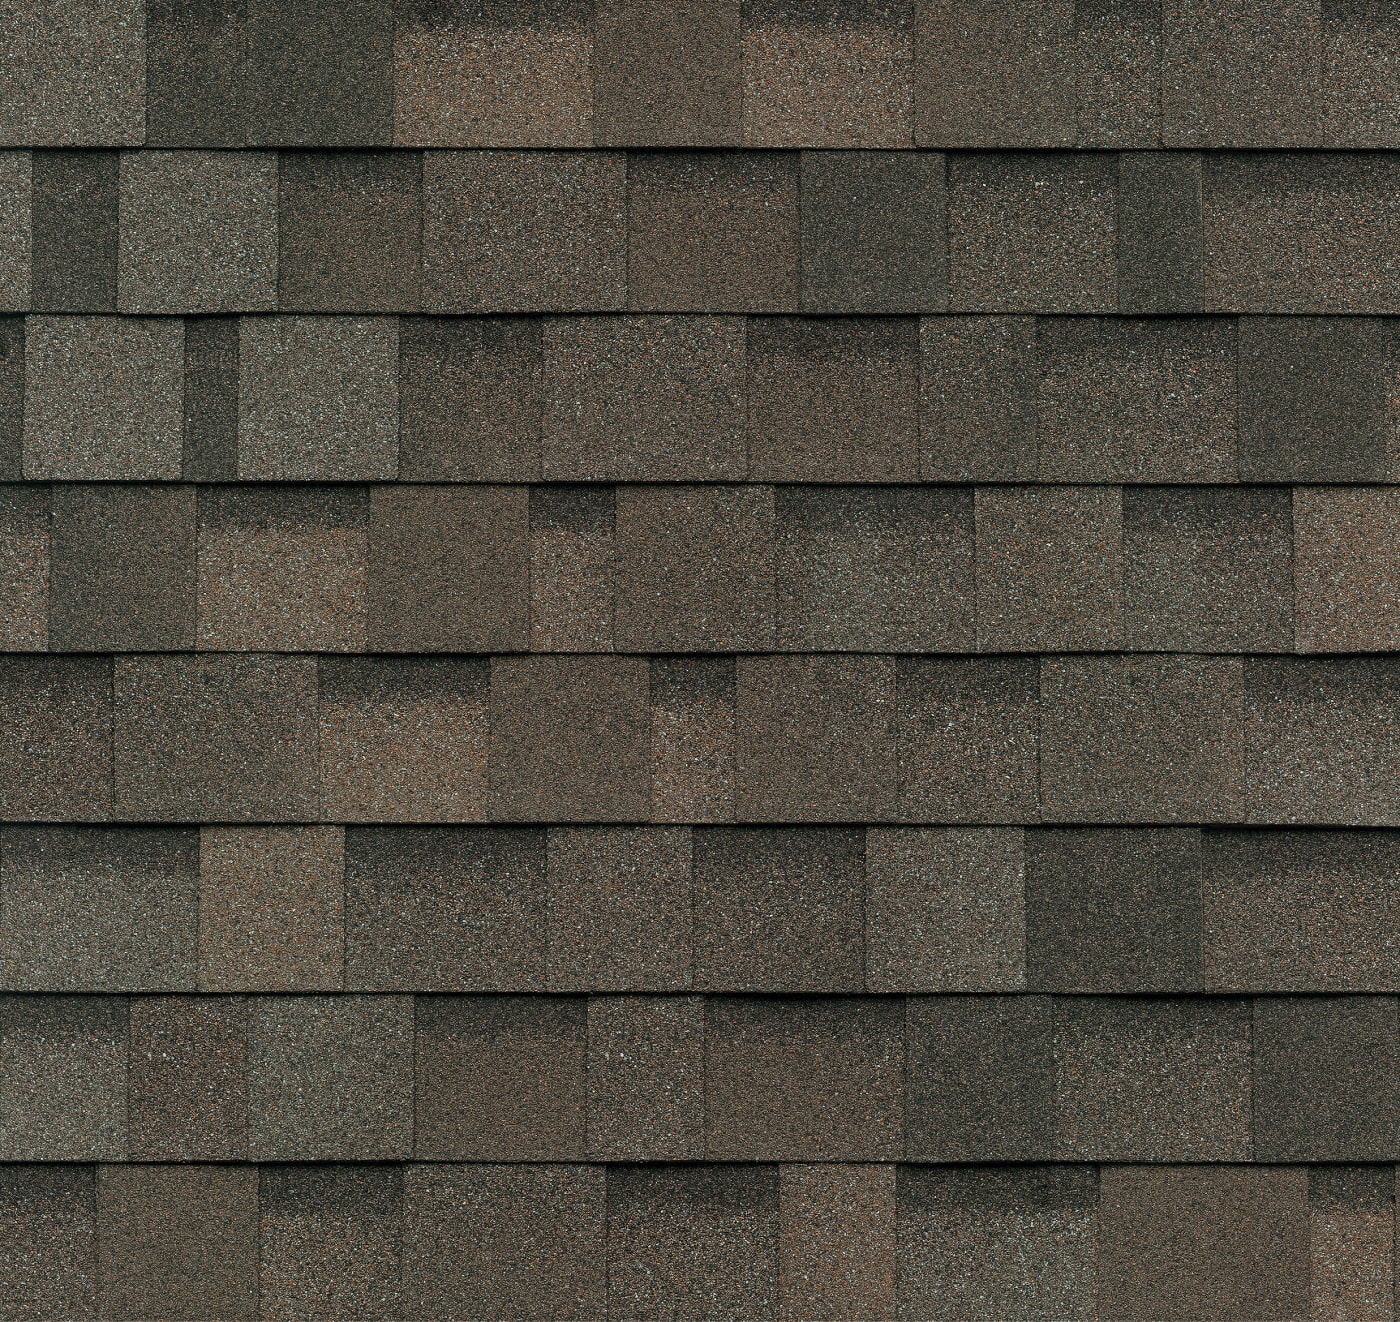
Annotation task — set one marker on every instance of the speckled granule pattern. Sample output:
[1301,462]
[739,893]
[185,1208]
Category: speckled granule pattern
[699,659]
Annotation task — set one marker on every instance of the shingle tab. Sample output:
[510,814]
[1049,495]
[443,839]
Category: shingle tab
[178,1240]
[319,75]
[122,568]
[818,1079]
[646,1078]
[1208,568]
[194,72]
[330,1078]
[331,1238]
[833,399]
[713,232]
[75,200]
[1300,910]
[349,231]
[705,1233]
[644,399]
[505,1239]
[188,1078]
[886,568]
[874,232]
[1011,1242]
[199,232]
[500,1078]
[1320,1071]
[694,569]
[692,739]
[667,75]
[469,404]
[404,739]
[98,909]
[318,398]
[815,739]
[26,548]
[541,231]
[779,909]
[1113,910]
[76,77]
[228,738]
[1203,1241]
[48,1240]
[16,230]
[1345,569]
[492,73]
[103,398]
[1033,233]
[573,568]
[828,73]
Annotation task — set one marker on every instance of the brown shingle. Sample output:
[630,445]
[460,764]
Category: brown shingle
[815,739]
[833,399]
[449,569]
[779,910]
[177,1241]
[828,73]
[646,1078]
[331,1240]
[349,231]
[48,1240]
[982,1242]
[1345,568]
[706,1234]
[1203,1242]
[1033,233]
[1049,569]
[404,739]
[218,737]
[493,73]
[692,739]
[74,230]
[838,1241]
[209,444]
[945,910]
[56,741]
[98,909]
[189,1078]
[712,232]
[968,738]
[199,232]
[1143,739]
[16,230]
[695,569]
[815,1079]
[500,1078]
[63,1073]
[194,78]
[330,1078]
[573,567]
[318,398]
[282,568]
[644,399]
[620,909]
[122,573]
[271,908]
[524,231]
[667,75]
[469,403]
[25,552]
[569,739]
[445,909]
[511,1241]
[878,568]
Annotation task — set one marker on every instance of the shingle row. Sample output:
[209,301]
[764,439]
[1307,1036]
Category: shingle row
[699,399]
[656,1078]
[854,738]
[718,909]
[1020,1244]
[761,232]
[571,73]
[663,568]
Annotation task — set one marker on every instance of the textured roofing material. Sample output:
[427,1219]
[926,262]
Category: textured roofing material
[699,660]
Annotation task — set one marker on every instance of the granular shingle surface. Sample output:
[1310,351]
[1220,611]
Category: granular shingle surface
[699,659]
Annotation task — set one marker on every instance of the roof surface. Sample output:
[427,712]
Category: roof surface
[699,660]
